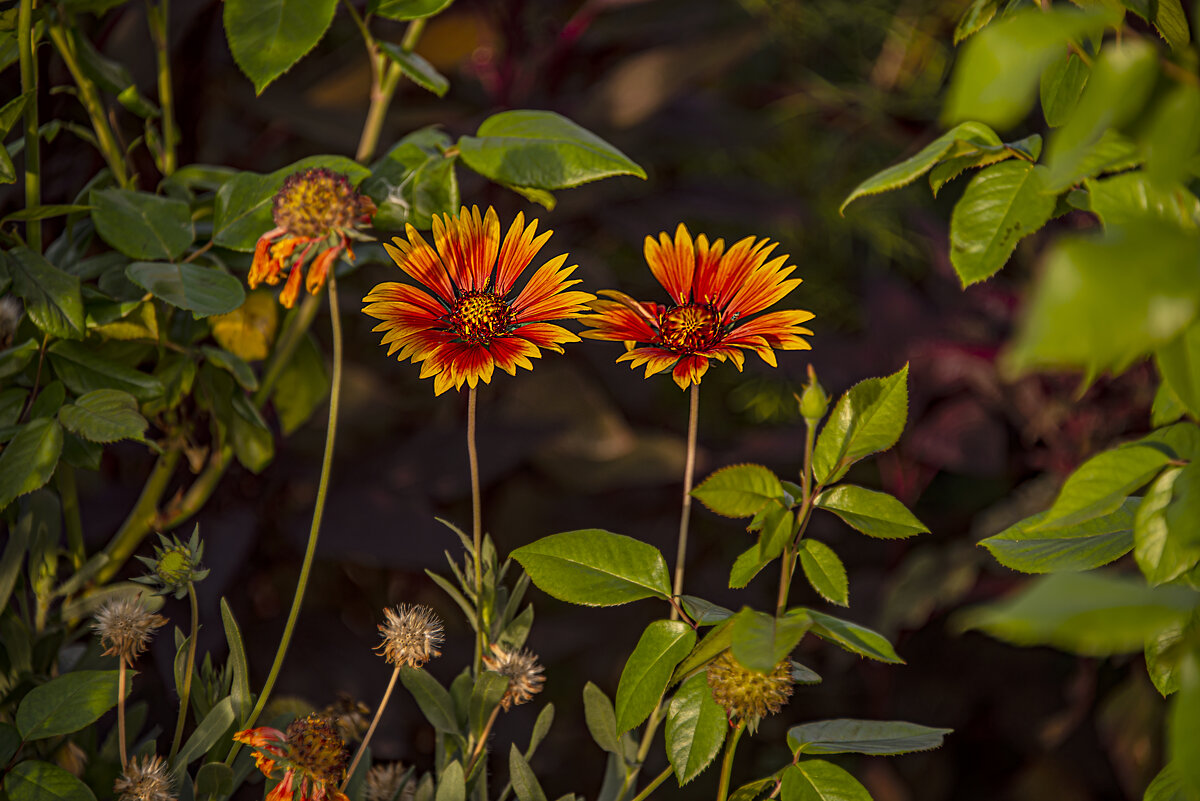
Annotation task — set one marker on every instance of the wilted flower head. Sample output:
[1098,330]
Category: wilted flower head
[411,635]
[174,565]
[383,782]
[125,627]
[319,209]
[351,716]
[523,672]
[310,753]
[467,318]
[747,694]
[713,293]
[144,779]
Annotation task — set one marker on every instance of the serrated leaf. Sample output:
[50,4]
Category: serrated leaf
[824,571]
[32,780]
[28,460]
[1166,541]
[703,612]
[142,225]
[1002,205]
[740,490]
[852,637]
[16,358]
[67,703]
[1133,196]
[1029,547]
[417,69]
[708,649]
[104,415]
[406,9]
[818,780]
[233,365]
[1168,18]
[760,641]
[647,672]
[593,567]
[202,290]
[1061,86]
[1164,654]
[978,14]
[1099,485]
[52,297]
[695,730]
[1028,148]
[868,418]
[875,514]
[83,370]
[875,737]
[1179,365]
[267,37]
[1168,786]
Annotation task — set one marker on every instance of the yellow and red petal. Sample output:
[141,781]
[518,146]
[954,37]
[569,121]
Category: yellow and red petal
[689,370]
[420,261]
[468,245]
[656,359]
[673,262]
[517,251]
[291,290]
[262,257]
[765,287]
[320,269]
[717,281]
[513,352]
[262,736]
[546,335]
[387,296]
[548,279]
[617,322]
[283,791]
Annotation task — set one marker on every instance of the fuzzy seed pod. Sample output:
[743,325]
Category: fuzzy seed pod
[411,635]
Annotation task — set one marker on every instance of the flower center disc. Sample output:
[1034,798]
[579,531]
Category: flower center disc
[480,316]
[687,329]
[312,203]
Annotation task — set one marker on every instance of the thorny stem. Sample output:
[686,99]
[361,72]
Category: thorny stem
[652,786]
[156,16]
[186,693]
[727,762]
[788,563]
[318,510]
[689,471]
[29,86]
[121,714]
[476,526]
[362,748]
[482,741]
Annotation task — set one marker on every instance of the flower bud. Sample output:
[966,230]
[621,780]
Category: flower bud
[814,403]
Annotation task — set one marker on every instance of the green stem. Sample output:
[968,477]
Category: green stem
[362,748]
[29,86]
[141,518]
[89,95]
[64,477]
[688,474]
[652,786]
[479,746]
[788,562]
[385,78]
[476,526]
[727,762]
[318,511]
[186,693]
[121,714]
[157,16]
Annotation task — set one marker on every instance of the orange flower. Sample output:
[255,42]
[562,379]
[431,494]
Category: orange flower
[311,754]
[315,208]
[474,321]
[713,292]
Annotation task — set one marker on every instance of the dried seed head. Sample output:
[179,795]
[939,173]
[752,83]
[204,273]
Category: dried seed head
[144,779]
[314,203]
[351,716]
[316,747]
[747,694]
[383,783]
[411,635]
[523,672]
[125,627]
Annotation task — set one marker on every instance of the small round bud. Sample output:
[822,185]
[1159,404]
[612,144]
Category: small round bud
[814,403]
[175,565]
[745,694]
[411,635]
[523,672]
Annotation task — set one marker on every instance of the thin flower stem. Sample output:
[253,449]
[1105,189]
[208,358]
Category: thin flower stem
[29,86]
[476,526]
[652,786]
[688,474]
[385,79]
[318,511]
[186,693]
[727,762]
[482,741]
[157,15]
[362,748]
[788,562]
[121,713]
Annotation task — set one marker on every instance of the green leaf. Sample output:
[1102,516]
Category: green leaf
[760,641]
[997,73]
[543,150]
[1093,614]
[1002,205]
[978,14]
[593,567]
[207,733]
[32,780]
[418,70]
[1183,731]
[749,564]
[1132,196]
[48,401]
[1028,148]
[239,690]
[253,443]
[818,780]
[1167,16]
[203,290]
[214,780]
[12,111]
[67,703]
[485,697]
[29,459]
[696,727]
[1166,532]
[874,737]
[703,612]
[1170,138]
[524,781]
[452,786]
[824,571]
[233,365]
[708,649]
[1028,547]
[959,138]
[600,718]
[740,490]
[267,37]
[83,370]
[302,387]
[662,646]
[17,358]
[875,514]
[142,225]
[406,9]
[1168,786]
[435,703]
[104,415]
[852,637]
[1099,485]
[42,212]
[1179,365]
[868,418]
[1164,654]
[52,297]
[1089,310]
[10,741]
[1061,86]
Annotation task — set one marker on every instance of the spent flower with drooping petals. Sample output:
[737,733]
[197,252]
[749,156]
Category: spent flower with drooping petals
[523,671]
[144,779]
[714,294]
[467,317]
[125,627]
[411,635]
[317,212]
[311,755]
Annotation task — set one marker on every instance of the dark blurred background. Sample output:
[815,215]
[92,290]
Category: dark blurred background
[752,117]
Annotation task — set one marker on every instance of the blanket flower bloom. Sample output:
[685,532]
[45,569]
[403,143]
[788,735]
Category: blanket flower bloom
[317,209]
[311,754]
[713,293]
[468,318]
